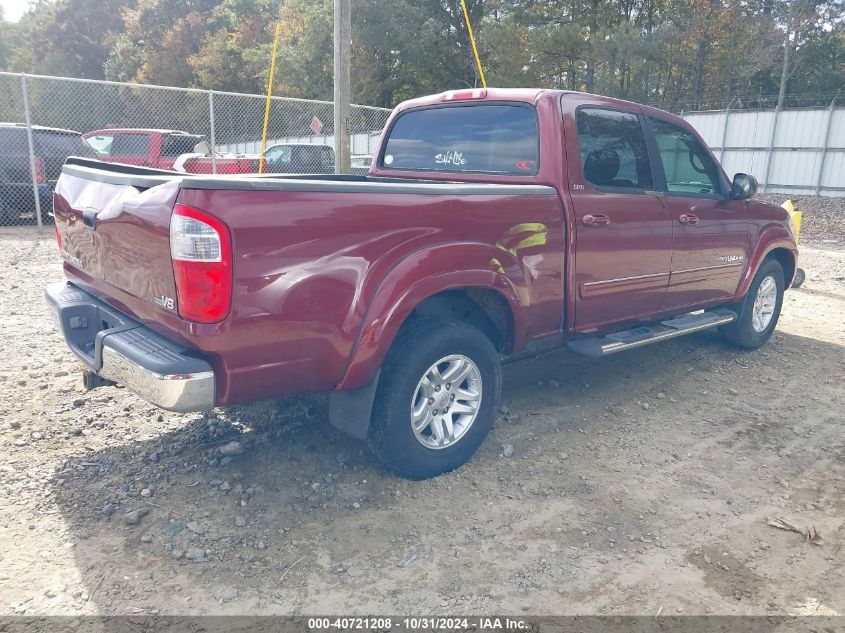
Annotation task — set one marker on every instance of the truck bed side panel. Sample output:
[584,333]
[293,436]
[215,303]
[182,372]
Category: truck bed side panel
[309,263]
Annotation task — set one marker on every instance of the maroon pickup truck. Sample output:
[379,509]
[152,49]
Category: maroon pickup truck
[492,223]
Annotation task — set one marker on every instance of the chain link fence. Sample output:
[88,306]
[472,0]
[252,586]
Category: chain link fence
[43,120]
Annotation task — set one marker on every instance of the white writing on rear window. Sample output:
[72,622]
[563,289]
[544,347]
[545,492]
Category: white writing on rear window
[450,158]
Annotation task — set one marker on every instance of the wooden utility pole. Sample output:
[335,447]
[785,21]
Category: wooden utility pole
[342,46]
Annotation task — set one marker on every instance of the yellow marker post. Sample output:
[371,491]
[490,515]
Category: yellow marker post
[267,104]
[472,41]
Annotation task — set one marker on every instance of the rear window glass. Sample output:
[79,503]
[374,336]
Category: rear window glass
[101,143]
[496,139]
[59,144]
[279,153]
[130,145]
[178,144]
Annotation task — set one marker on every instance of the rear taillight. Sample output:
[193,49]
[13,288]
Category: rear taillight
[39,170]
[202,264]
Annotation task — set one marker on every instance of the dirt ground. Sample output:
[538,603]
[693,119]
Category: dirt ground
[637,484]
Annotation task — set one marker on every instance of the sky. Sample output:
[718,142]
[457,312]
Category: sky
[14,9]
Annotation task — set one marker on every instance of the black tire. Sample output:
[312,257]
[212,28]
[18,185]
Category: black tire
[742,332]
[800,278]
[418,347]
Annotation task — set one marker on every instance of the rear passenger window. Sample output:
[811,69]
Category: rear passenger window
[130,145]
[613,149]
[178,144]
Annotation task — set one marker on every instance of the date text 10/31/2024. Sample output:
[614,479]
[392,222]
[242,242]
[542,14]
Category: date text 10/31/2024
[421,623]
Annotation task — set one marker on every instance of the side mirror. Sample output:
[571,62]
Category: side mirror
[743,187]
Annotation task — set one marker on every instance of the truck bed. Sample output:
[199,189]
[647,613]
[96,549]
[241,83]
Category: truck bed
[317,262]
[146,177]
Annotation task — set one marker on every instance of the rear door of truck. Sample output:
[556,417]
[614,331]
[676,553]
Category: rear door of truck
[623,230]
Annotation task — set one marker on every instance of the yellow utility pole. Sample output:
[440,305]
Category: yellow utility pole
[267,103]
[472,41]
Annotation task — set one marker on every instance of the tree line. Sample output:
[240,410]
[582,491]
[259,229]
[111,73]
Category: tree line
[677,54]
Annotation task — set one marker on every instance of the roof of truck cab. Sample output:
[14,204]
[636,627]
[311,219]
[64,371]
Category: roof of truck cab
[527,95]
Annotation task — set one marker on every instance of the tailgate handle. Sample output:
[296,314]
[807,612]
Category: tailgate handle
[89,217]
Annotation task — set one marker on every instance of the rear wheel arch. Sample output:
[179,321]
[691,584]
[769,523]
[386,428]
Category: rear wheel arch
[488,311]
[487,300]
[483,308]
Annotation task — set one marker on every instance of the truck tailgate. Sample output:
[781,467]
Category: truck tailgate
[114,239]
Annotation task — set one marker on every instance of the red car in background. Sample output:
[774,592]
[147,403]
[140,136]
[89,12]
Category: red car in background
[161,149]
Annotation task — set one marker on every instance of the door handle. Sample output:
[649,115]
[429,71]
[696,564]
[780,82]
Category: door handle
[688,218]
[598,219]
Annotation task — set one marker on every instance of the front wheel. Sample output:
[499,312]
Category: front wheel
[760,310]
[436,399]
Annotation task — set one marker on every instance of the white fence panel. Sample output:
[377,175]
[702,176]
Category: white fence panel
[801,128]
[709,124]
[837,129]
[797,151]
[832,176]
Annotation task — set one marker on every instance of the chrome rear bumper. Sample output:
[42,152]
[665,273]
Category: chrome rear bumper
[118,348]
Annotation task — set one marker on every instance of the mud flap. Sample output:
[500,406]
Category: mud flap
[350,411]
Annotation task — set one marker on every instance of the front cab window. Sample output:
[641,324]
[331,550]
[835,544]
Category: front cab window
[688,166]
[613,149]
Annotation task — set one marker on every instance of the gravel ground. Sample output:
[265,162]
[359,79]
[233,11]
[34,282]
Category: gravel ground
[630,485]
[823,219]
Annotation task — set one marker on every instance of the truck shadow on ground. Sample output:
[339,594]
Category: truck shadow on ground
[295,511]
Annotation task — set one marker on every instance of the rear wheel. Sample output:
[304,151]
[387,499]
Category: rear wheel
[760,309]
[436,399]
